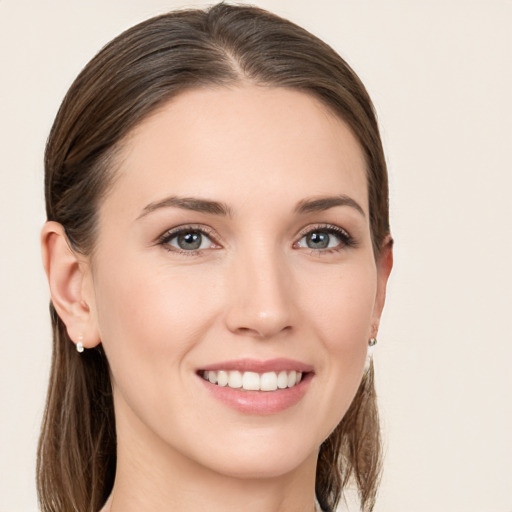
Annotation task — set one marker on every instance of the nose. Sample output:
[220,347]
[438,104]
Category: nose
[260,302]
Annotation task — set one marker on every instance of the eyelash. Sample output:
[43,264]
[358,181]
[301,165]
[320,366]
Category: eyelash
[346,240]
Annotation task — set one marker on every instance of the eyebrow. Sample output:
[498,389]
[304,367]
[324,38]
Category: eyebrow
[188,203]
[217,208]
[325,203]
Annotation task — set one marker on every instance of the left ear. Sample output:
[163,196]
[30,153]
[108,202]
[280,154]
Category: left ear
[384,266]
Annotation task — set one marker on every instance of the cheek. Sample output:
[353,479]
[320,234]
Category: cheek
[341,305]
[151,304]
[149,319]
[342,319]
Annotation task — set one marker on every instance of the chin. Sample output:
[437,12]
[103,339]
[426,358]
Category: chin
[259,455]
[263,464]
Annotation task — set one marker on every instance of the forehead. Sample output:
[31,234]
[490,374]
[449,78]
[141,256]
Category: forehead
[238,144]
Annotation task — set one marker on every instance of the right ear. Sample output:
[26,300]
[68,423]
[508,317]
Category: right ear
[67,272]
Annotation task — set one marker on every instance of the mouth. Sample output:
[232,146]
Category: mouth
[253,381]
[257,387]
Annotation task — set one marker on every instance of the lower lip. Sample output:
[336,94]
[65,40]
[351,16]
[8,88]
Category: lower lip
[259,402]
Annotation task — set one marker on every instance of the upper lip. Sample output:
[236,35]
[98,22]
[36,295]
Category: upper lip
[259,366]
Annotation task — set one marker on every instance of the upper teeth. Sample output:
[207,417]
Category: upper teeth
[252,381]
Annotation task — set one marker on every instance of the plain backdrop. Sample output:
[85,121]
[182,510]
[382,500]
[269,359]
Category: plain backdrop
[440,74]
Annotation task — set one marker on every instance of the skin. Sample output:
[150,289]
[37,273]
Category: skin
[254,290]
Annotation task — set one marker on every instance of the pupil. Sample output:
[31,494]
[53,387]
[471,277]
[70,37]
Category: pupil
[189,241]
[318,240]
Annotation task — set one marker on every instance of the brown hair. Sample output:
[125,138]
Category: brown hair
[128,79]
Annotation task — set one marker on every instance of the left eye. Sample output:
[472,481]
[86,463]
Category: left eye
[191,240]
[321,239]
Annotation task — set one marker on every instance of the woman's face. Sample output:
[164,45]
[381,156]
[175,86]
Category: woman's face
[235,246]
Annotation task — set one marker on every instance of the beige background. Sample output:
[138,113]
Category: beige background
[440,75]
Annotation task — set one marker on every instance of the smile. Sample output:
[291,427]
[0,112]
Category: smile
[252,381]
[257,387]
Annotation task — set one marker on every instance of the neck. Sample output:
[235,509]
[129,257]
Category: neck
[157,490]
[151,476]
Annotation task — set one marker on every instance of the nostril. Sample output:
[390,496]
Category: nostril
[263,331]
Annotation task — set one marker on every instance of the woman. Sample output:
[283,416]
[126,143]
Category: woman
[217,249]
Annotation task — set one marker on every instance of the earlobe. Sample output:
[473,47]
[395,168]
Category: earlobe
[66,271]
[384,266]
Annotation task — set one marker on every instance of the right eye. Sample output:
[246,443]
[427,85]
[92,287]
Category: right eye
[189,240]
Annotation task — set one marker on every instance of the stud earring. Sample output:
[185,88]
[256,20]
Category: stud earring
[80,345]
[369,354]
